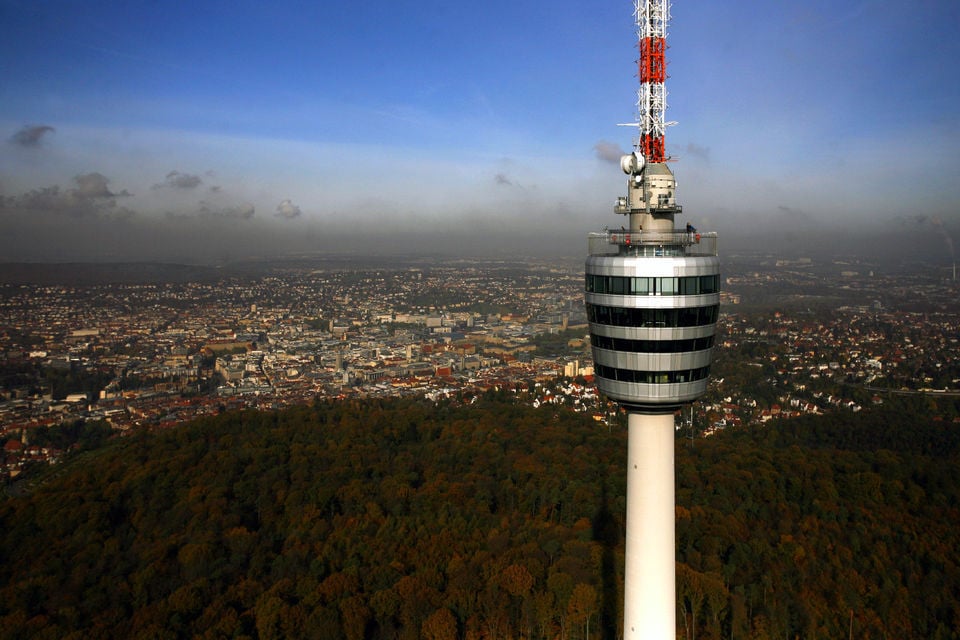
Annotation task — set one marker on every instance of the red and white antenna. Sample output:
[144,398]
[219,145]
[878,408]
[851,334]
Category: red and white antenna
[652,17]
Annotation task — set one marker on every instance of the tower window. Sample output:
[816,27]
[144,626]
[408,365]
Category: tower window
[657,318]
[684,285]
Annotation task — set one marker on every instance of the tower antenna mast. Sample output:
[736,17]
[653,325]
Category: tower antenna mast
[652,18]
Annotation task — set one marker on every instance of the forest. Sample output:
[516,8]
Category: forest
[408,519]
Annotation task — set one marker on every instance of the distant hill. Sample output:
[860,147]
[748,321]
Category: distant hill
[401,519]
[90,273]
[96,273]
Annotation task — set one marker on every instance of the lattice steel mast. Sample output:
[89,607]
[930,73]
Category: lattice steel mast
[652,18]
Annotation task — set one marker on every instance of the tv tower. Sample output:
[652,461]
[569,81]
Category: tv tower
[652,298]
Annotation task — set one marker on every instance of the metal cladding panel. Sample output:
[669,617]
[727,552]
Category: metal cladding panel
[652,361]
[652,301]
[653,266]
[641,394]
[652,333]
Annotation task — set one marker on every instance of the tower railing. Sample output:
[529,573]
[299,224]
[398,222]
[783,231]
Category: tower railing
[652,243]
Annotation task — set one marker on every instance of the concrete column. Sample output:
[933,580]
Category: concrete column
[649,609]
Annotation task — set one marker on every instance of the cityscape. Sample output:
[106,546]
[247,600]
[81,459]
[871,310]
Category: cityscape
[795,336]
[298,336]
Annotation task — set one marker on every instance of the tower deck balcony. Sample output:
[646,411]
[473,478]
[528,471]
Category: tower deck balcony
[652,243]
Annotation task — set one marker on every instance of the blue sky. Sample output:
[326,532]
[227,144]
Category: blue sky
[218,130]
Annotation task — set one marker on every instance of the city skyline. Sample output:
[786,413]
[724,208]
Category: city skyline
[132,132]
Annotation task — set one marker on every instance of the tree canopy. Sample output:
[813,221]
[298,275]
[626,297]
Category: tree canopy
[404,519]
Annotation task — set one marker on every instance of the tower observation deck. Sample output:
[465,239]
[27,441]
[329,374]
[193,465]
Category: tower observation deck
[652,294]
[652,300]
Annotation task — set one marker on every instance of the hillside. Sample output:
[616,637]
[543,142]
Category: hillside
[403,519]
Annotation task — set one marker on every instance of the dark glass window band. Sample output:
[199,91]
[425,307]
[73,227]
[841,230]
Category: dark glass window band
[651,346]
[653,318]
[626,286]
[651,377]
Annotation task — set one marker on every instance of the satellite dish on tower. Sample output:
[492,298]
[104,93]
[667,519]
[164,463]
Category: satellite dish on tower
[632,164]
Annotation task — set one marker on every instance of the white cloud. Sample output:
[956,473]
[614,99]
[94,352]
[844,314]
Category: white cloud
[287,210]
[178,180]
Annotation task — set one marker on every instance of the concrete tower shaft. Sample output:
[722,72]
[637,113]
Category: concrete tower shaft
[649,584]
